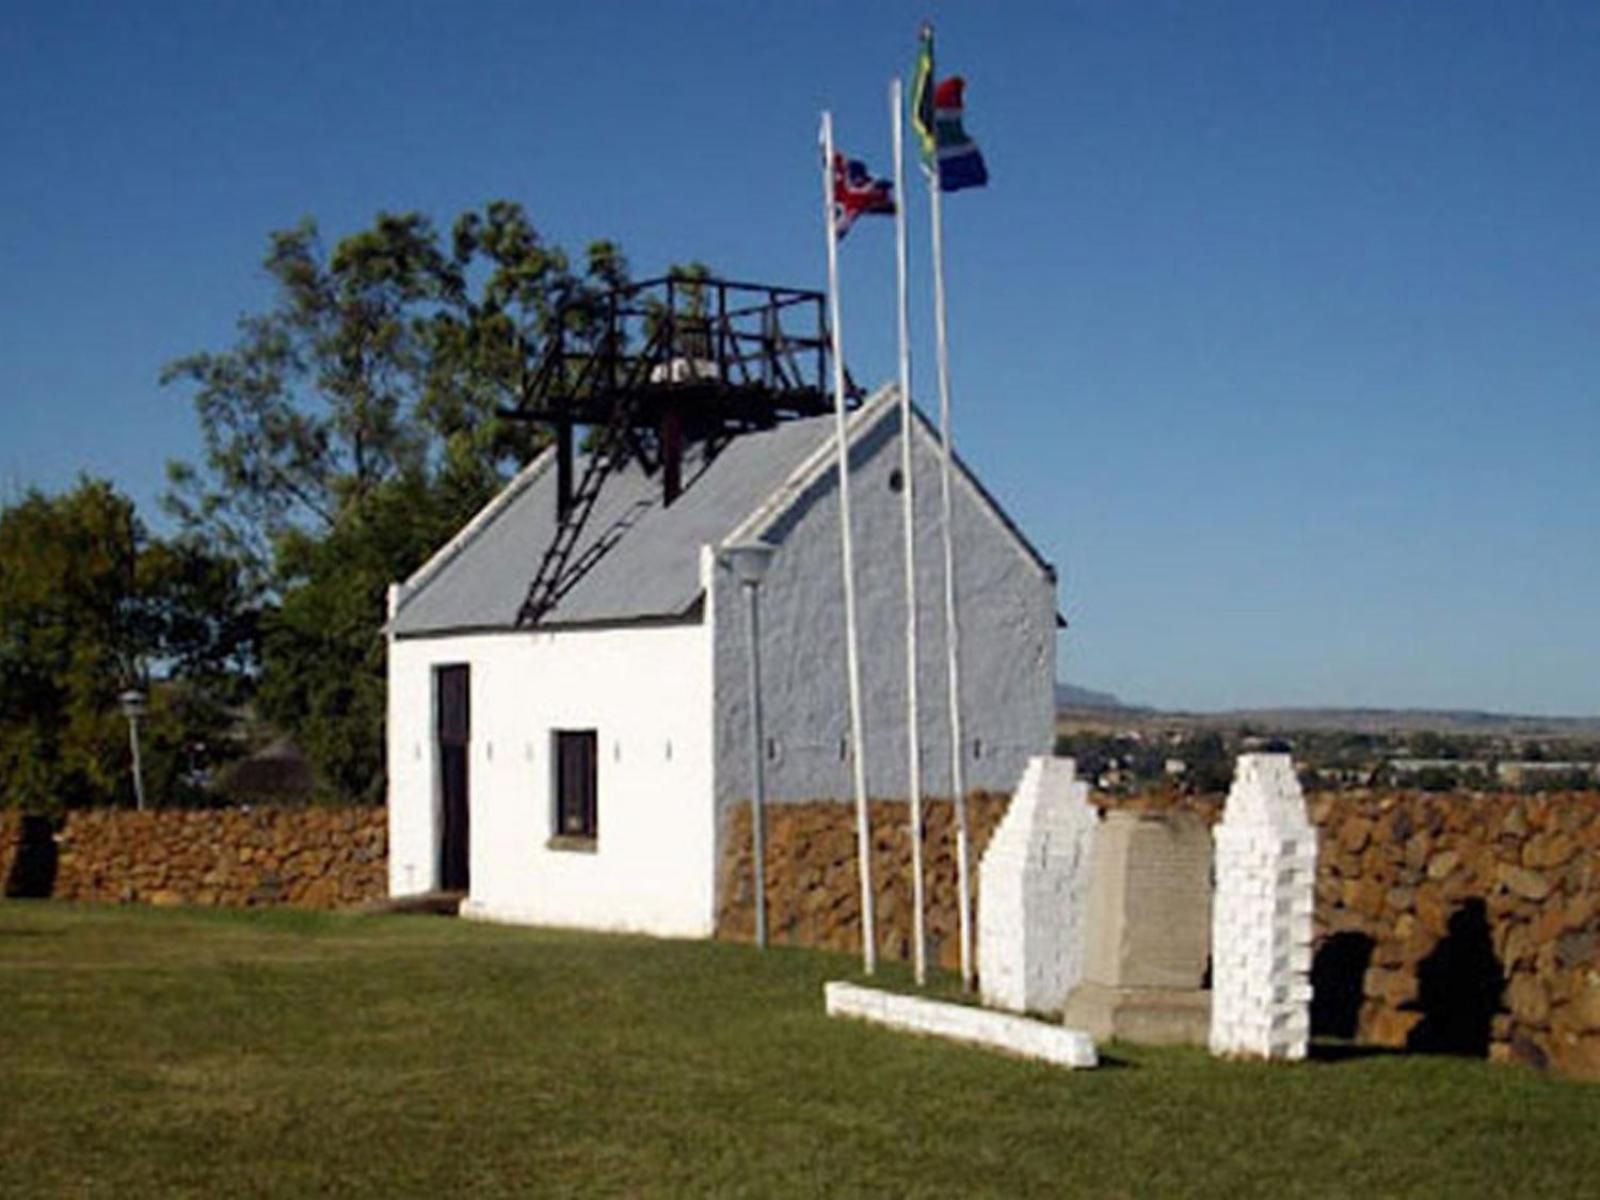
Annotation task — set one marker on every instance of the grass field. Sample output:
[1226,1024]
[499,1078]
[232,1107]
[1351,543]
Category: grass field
[150,1052]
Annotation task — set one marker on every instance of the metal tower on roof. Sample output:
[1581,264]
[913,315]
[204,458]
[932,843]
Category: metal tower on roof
[658,364]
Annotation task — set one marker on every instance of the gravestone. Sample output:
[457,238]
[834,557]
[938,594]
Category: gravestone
[1149,932]
[1261,927]
[1032,888]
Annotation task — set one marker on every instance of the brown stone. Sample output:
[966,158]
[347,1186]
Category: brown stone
[1578,1058]
[1432,910]
[1515,944]
[1354,834]
[1391,987]
[1365,896]
[1528,1000]
[1578,912]
[1528,1051]
[1575,949]
[1550,922]
[322,893]
[1390,1027]
[1520,881]
[165,898]
[1441,865]
[1548,850]
[1584,1010]
[1388,952]
[1419,849]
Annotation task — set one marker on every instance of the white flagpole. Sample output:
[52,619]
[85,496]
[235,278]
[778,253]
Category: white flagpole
[858,755]
[919,939]
[952,634]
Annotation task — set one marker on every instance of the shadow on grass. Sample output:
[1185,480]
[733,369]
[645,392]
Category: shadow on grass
[1338,1052]
[1111,1062]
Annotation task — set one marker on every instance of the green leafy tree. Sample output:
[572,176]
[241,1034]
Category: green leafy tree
[356,424]
[90,605]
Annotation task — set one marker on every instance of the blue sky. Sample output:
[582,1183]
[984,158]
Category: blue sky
[1277,328]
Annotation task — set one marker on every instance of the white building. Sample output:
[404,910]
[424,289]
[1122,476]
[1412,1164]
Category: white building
[578,772]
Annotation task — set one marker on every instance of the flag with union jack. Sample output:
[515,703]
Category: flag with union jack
[856,193]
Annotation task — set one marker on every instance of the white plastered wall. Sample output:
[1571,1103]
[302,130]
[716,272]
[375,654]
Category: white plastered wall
[646,692]
[1008,639]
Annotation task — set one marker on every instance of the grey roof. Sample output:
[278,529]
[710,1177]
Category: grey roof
[652,570]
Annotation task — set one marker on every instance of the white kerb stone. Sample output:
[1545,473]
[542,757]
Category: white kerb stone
[1019,1036]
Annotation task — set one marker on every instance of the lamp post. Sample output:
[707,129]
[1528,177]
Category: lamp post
[133,707]
[749,562]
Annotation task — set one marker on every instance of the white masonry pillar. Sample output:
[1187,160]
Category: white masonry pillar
[1033,891]
[1266,868]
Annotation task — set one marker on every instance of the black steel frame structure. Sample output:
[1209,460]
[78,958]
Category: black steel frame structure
[655,364]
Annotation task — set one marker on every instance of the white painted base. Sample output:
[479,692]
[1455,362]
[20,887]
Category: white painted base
[1021,1036]
[495,914]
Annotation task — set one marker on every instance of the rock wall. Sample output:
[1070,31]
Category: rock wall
[814,892]
[307,857]
[1457,922]
[1464,923]
[10,836]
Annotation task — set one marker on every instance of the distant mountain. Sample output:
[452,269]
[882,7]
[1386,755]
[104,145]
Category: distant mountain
[1081,699]
[1412,720]
[1070,699]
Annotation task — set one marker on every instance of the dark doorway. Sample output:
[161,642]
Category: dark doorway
[452,688]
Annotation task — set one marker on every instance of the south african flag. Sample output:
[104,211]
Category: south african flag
[936,122]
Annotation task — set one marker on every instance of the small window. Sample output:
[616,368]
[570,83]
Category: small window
[897,481]
[577,817]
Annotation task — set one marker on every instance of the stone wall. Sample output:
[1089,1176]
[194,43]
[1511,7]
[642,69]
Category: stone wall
[814,891]
[1465,923]
[1456,922]
[10,835]
[307,857]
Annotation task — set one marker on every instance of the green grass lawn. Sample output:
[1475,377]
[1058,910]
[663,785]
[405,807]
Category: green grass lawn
[150,1052]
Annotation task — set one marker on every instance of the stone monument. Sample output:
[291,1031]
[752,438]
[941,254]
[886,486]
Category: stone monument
[1149,932]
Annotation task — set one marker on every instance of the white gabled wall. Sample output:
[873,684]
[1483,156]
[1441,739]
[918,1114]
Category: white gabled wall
[1008,616]
[646,691]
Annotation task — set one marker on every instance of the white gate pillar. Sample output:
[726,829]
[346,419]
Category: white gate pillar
[1266,867]
[1033,891]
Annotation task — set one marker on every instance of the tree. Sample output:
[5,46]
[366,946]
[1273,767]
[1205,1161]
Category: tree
[357,424]
[90,604]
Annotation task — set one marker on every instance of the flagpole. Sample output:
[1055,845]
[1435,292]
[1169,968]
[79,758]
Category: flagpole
[952,629]
[858,749]
[919,939]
